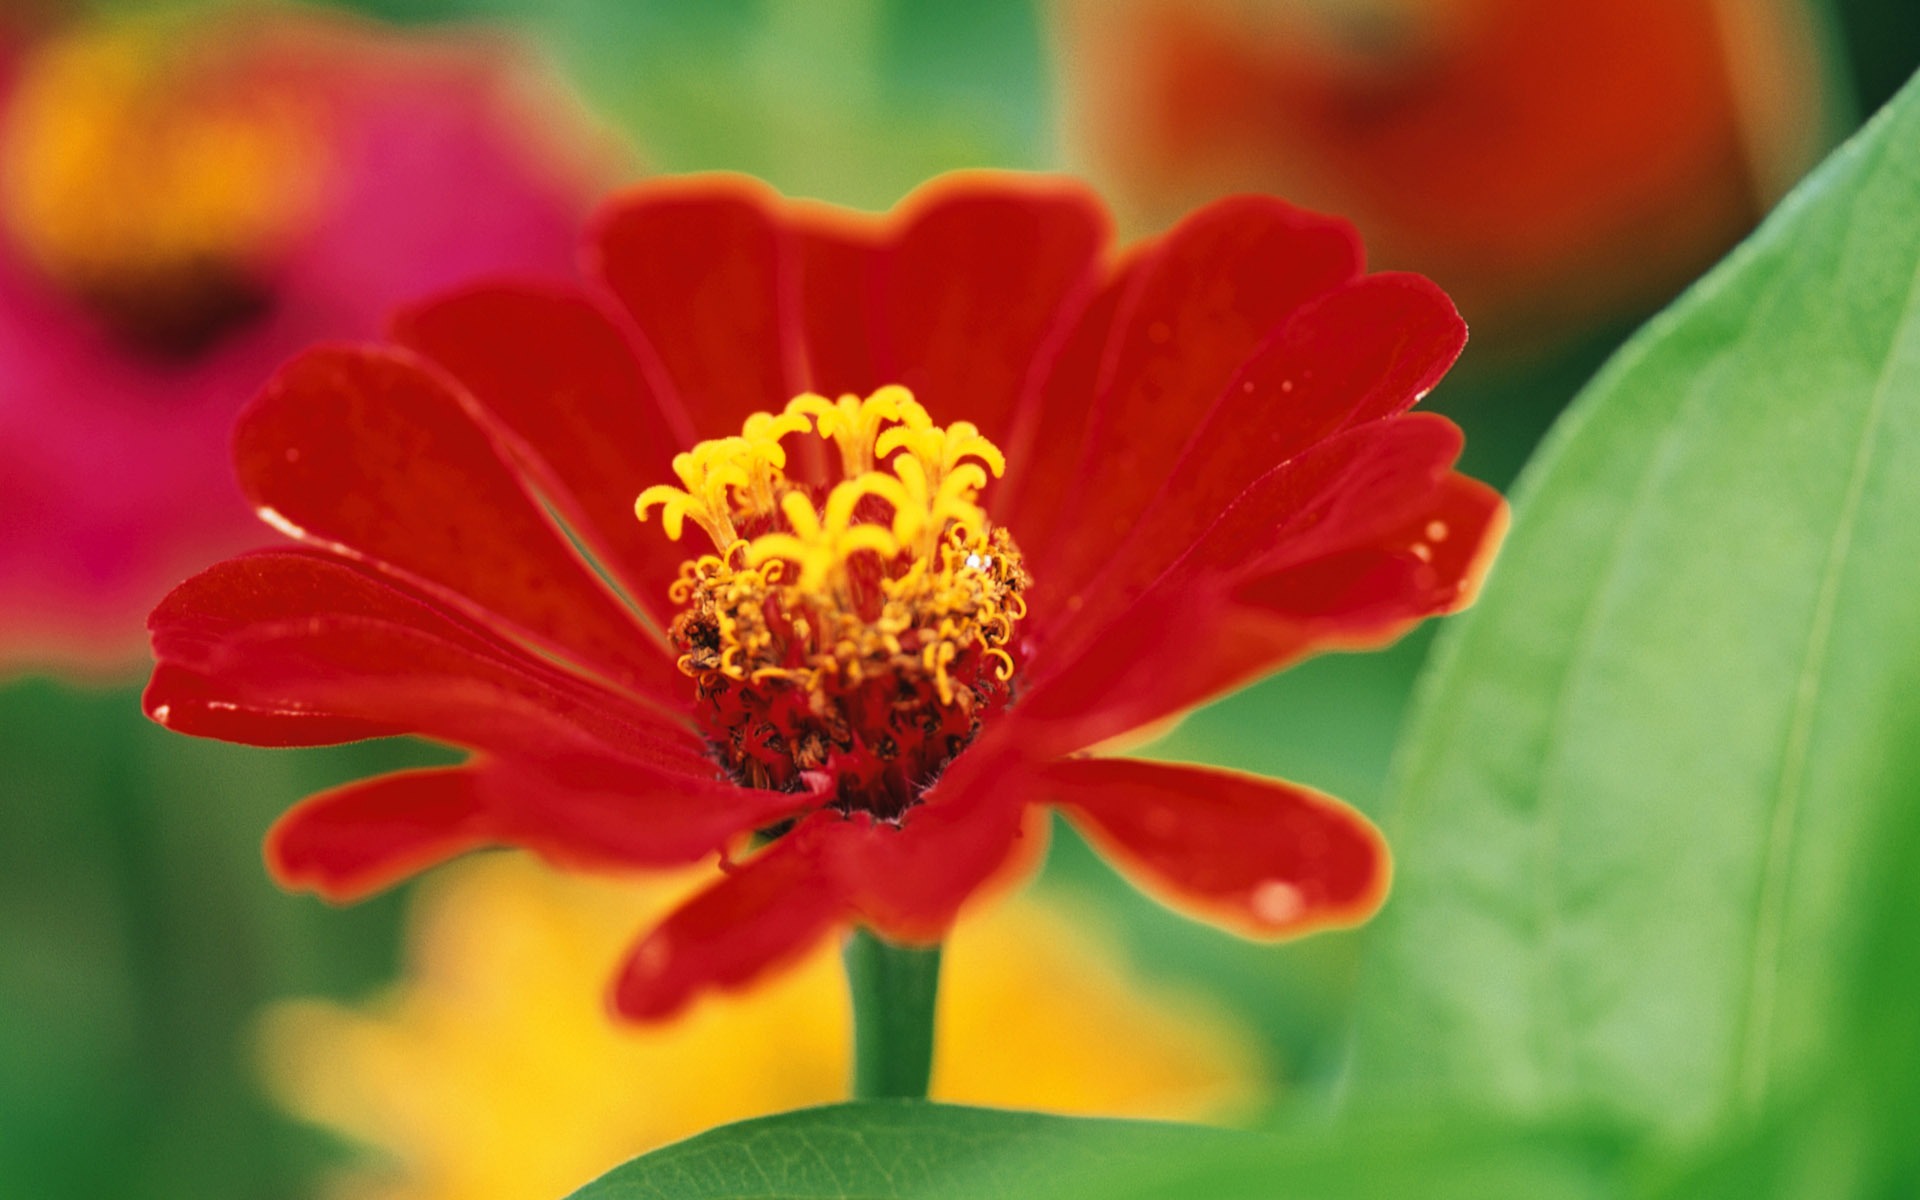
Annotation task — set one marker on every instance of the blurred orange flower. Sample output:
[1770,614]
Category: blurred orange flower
[1545,162]
[494,1070]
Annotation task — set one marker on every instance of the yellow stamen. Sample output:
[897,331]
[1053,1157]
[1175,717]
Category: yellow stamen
[819,545]
[950,499]
[895,570]
[706,472]
[852,423]
[941,450]
[765,458]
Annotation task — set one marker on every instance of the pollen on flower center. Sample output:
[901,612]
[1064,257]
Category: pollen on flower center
[848,636]
[150,184]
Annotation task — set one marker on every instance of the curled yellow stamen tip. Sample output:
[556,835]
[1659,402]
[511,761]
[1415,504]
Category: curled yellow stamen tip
[923,444]
[767,428]
[903,403]
[853,424]
[673,504]
[964,440]
[942,451]
[847,495]
[708,473]
[1002,664]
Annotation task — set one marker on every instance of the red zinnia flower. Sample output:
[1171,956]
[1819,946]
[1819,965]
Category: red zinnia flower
[184,203]
[1057,500]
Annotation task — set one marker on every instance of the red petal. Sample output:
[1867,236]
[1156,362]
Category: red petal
[840,259]
[712,282]
[293,647]
[594,812]
[1331,551]
[367,453]
[1407,569]
[353,841]
[1339,493]
[767,913]
[1209,294]
[583,813]
[584,420]
[1360,353]
[980,286]
[188,702]
[1040,493]
[909,881]
[1364,352]
[1269,859]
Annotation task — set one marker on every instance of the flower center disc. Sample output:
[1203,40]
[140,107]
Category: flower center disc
[845,637]
[151,183]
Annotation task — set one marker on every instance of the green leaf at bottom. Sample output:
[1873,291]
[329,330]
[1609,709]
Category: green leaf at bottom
[892,1150]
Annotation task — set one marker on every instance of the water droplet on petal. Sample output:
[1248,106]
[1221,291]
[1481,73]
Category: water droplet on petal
[1277,902]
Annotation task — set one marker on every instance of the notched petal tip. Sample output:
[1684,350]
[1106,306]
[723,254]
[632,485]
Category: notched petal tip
[673,198]
[1255,211]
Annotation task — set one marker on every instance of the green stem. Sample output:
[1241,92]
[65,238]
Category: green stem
[893,988]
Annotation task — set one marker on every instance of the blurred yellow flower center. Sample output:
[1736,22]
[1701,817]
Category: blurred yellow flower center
[151,179]
[860,631]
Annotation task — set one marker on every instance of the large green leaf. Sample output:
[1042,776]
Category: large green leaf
[1630,805]
[1855,1131]
[893,1150]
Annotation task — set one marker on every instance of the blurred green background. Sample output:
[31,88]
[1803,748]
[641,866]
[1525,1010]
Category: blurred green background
[139,935]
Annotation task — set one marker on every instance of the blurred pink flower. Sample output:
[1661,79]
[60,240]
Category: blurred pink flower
[183,204]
